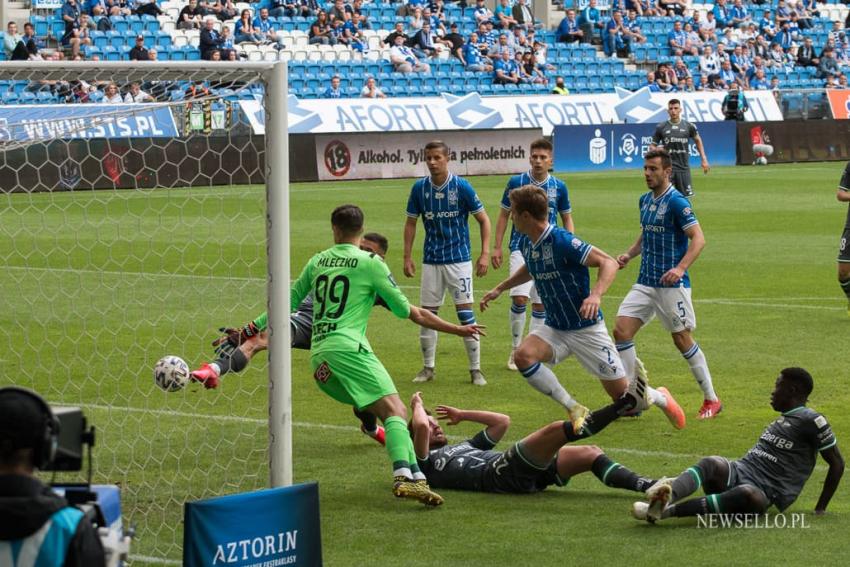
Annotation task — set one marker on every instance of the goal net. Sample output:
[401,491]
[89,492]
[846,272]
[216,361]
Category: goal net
[133,227]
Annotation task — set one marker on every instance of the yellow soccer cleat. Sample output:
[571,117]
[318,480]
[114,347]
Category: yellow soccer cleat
[416,490]
[578,415]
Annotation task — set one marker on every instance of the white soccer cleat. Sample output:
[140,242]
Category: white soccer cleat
[424,375]
[658,496]
[639,388]
[511,363]
[578,415]
[477,378]
[639,510]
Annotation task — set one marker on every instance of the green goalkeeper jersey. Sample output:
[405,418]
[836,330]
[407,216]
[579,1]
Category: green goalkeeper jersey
[344,281]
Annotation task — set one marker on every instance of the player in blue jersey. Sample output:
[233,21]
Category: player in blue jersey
[773,472]
[558,261]
[559,205]
[669,243]
[445,201]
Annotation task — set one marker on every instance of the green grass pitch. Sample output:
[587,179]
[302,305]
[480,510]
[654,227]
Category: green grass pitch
[98,285]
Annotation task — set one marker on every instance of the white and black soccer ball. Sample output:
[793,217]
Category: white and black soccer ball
[761,160]
[171,373]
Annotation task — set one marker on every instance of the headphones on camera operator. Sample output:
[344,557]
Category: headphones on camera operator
[43,441]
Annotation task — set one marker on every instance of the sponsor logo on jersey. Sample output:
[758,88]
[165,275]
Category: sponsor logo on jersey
[452,196]
[662,208]
[439,195]
[820,421]
[547,253]
[577,243]
[686,211]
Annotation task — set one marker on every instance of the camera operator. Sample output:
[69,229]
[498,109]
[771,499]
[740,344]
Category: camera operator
[37,527]
[734,104]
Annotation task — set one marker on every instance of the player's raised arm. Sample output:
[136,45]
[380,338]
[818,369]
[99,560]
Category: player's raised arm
[497,423]
[517,278]
[697,238]
[607,272]
[501,226]
[483,262]
[409,237]
[420,426]
[425,318]
[833,458]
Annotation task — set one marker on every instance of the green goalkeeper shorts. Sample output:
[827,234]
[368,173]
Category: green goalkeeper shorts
[354,378]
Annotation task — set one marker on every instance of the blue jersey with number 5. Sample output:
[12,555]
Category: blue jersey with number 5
[557,264]
[445,213]
[663,222]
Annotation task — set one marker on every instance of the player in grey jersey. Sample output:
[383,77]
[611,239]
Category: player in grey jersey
[844,246]
[238,346]
[674,135]
[773,472]
[539,460]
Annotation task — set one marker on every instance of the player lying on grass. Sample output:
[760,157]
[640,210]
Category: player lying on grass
[238,346]
[773,472]
[345,282]
[539,460]
[559,263]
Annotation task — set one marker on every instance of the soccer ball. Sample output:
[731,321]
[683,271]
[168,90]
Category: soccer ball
[171,373]
[761,160]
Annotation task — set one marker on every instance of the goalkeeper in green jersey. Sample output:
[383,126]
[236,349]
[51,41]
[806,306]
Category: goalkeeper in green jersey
[345,282]
[236,347]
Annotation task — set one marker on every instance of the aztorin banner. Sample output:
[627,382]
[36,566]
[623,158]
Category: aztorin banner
[266,528]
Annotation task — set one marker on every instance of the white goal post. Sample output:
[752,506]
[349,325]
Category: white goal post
[122,241]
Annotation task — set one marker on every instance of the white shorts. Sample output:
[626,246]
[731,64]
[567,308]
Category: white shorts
[592,347]
[437,278]
[528,289]
[672,305]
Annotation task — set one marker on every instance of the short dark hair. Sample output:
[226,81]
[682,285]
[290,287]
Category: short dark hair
[666,162]
[348,218]
[378,239]
[541,144]
[800,378]
[438,145]
[674,101]
[530,199]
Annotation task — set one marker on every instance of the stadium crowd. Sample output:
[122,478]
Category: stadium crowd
[680,46]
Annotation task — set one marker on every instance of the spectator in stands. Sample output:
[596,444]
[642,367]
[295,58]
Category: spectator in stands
[339,11]
[633,31]
[522,14]
[263,25]
[785,38]
[454,42]
[424,44]
[560,88]
[153,55]
[487,35]
[805,11]
[408,6]
[31,41]
[709,63]
[728,74]
[139,51]
[504,17]
[227,48]
[320,30]
[438,9]
[740,15]
[677,39]
[333,91]
[759,82]
[761,47]
[13,43]
[757,65]
[244,31]
[224,10]
[505,70]
[722,52]
[475,61]
[437,25]
[688,85]
[842,82]
[284,8]
[371,90]
[147,8]
[415,21]
[721,14]
[774,86]
[111,95]
[357,9]
[78,36]
[71,16]
[672,7]
[482,13]
[531,71]
[210,39]
[650,82]
[828,65]
[590,21]
[692,39]
[118,7]
[95,8]
[776,58]
[783,13]
[766,26]
[398,31]
[495,52]
[615,38]
[666,78]
[404,60]
[568,30]
[190,16]
[681,70]
[540,54]
[708,28]
[136,94]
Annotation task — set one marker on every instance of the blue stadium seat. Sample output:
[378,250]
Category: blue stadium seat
[163,39]
[27,97]
[119,24]
[41,25]
[9,97]
[115,39]
[150,23]
[135,24]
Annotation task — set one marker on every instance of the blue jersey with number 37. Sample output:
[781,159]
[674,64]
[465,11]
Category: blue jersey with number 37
[557,264]
[445,212]
[663,222]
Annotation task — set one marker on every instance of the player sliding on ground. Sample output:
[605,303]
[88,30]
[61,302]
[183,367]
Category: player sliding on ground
[238,346]
[344,282]
[773,472]
[663,287]
[539,460]
[558,261]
